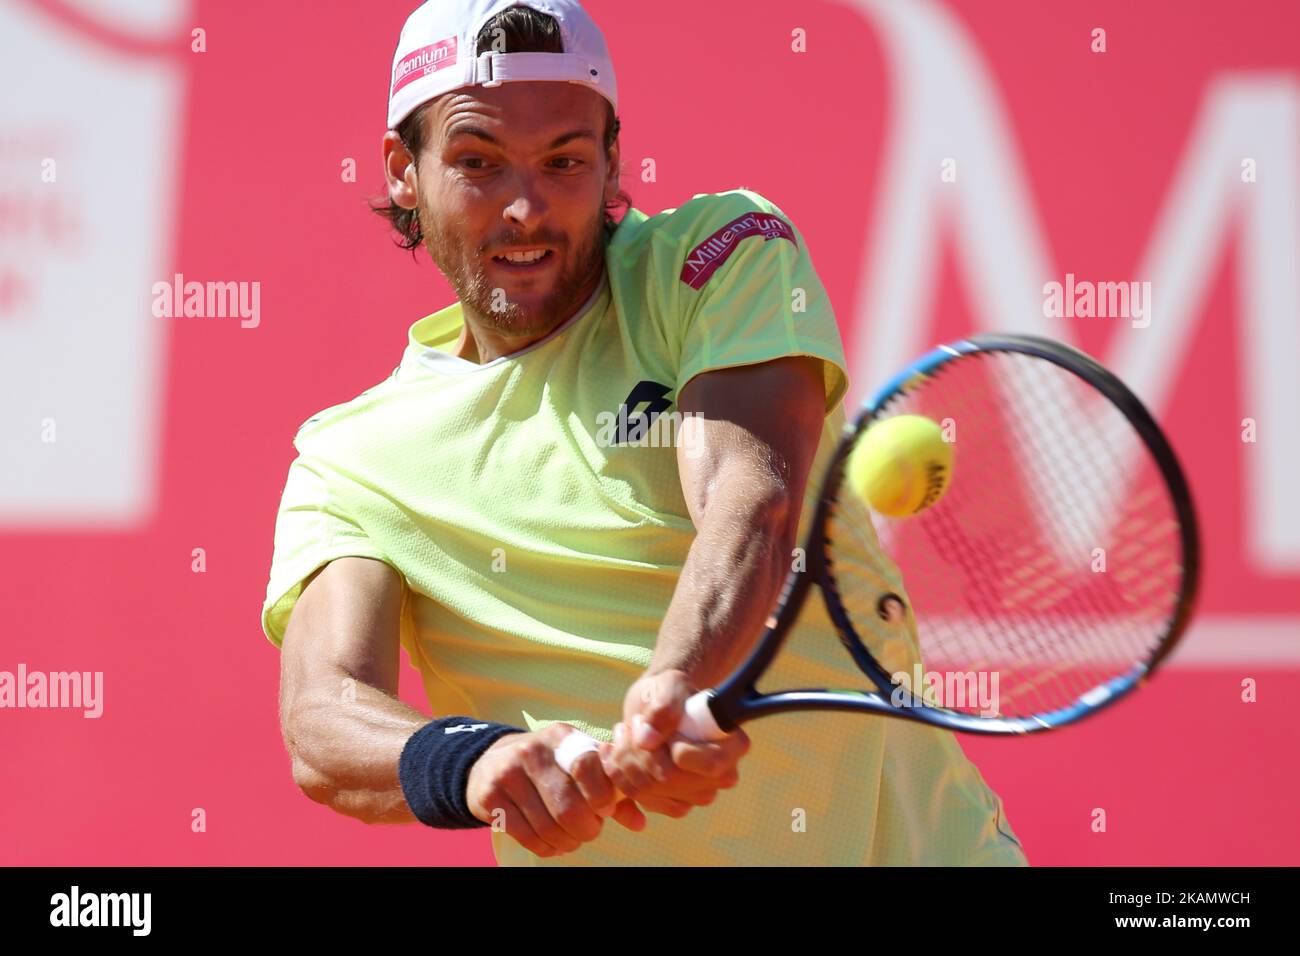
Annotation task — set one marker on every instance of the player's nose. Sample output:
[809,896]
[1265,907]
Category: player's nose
[525,205]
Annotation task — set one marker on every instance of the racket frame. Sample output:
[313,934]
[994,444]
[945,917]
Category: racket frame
[737,699]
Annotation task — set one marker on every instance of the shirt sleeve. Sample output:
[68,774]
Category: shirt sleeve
[311,529]
[747,293]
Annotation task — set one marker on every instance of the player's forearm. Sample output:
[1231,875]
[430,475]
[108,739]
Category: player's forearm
[729,583]
[345,740]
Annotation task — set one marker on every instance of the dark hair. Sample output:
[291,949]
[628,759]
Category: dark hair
[524,30]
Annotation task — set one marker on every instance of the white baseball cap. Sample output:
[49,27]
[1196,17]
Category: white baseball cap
[435,54]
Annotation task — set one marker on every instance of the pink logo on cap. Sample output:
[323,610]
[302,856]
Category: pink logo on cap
[426,60]
[705,258]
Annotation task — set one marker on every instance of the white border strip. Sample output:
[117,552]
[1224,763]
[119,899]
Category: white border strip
[1219,641]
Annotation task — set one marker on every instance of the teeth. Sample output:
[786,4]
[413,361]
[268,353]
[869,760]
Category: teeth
[523,256]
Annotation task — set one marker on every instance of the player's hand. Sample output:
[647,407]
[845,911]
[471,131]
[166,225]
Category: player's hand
[517,785]
[653,764]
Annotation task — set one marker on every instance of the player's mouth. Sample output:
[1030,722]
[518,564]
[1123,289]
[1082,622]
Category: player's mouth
[524,261]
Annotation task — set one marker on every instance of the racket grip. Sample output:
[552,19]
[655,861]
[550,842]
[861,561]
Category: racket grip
[697,723]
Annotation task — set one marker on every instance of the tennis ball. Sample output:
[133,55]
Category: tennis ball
[901,465]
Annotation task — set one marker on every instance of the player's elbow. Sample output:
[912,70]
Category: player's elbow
[308,778]
[319,788]
[773,520]
[759,498]
[768,530]
[297,729]
[314,785]
[318,785]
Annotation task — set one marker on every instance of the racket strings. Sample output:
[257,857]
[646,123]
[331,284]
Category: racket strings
[1147,539]
[1056,418]
[1023,576]
[1016,565]
[1050,566]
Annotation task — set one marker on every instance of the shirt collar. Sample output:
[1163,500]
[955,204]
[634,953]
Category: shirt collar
[429,340]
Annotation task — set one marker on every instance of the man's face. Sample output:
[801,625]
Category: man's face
[514,168]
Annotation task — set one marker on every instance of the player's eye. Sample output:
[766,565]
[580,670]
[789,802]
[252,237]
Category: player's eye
[573,163]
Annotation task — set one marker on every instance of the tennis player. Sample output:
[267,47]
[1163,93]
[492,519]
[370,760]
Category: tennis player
[574,502]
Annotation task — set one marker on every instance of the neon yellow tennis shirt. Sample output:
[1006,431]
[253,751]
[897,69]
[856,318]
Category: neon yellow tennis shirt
[540,528]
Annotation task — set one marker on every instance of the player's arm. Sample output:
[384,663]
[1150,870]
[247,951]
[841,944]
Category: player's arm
[744,454]
[345,728]
[341,641]
[748,438]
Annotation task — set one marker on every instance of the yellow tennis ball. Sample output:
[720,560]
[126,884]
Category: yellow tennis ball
[901,465]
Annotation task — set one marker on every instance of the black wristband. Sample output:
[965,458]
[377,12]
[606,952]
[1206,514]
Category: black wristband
[435,764]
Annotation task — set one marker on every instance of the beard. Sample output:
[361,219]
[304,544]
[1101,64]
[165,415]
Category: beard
[465,270]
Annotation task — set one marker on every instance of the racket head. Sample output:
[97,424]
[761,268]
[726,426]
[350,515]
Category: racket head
[1060,568]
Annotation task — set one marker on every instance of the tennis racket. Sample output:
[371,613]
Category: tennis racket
[1060,566]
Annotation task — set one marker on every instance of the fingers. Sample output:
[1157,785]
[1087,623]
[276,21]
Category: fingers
[637,786]
[545,810]
[711,759]
[523,791]
[667,806]
[646,734]
[681,765]
[656,703]
[677,775]
[601,793]
[521,831]
[596,788]
[657,784]
[627,766]
[559,792]
[625,781]
[627,813]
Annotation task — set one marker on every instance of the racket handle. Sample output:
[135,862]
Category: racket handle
[697,723]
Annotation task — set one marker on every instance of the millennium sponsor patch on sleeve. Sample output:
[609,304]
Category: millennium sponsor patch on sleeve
[709,255]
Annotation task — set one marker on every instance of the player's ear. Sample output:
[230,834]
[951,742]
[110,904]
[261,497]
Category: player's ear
[399,171]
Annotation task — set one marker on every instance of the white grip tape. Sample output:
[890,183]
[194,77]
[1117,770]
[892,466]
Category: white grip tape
[698,723]
[572,747]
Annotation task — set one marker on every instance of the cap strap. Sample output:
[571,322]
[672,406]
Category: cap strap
[492,68]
